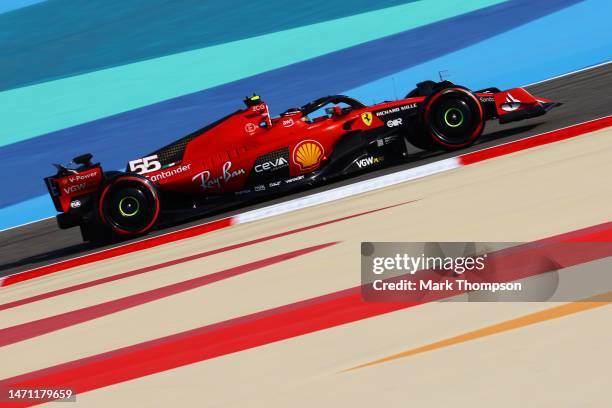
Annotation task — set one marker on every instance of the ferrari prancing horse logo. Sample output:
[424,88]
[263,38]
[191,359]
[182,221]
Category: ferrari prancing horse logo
[366,117]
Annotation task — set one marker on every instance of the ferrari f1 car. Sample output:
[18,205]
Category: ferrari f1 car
[250,153]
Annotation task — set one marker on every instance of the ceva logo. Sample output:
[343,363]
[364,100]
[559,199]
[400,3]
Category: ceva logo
[272,165]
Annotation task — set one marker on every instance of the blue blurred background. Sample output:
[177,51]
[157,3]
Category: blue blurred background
[119,78]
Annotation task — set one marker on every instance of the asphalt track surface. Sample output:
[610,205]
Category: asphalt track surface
[586,95]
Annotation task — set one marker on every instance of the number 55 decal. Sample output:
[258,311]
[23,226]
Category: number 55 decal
[145,165]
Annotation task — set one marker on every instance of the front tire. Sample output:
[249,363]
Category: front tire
[451,119]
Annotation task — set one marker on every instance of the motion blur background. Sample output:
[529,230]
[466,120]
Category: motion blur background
[119,78]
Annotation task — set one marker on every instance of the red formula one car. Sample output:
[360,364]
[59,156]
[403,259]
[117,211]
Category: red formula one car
[249,153]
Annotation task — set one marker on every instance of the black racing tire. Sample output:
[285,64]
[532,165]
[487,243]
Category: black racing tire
[451,119]
[128,205]
[95,232]
[427,88]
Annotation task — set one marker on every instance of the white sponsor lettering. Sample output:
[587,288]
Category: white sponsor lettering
[294,179]
[397,109]
[145,165]
[288,122]
[169,173]
[272,165]
[368,161]
[81,177]
[387,112]
[207,181]
[394,122]
[75,188]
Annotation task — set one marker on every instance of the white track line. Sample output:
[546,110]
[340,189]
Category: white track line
[569,73]
[27,223]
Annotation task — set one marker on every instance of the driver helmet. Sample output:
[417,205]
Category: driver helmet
[252,100]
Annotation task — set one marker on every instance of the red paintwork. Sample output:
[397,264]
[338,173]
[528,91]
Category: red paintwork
[220,161]
[235,141]
[74,185]
[518,96]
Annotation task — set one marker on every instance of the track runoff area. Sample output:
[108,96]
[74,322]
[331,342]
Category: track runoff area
[264,306]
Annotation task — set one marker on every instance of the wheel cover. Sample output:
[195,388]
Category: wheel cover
[453,117]
[129,206]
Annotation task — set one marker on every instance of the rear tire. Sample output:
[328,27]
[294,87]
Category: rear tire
[128,205]
[95,232]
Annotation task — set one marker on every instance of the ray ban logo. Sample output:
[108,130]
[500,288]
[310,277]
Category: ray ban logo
[227,173]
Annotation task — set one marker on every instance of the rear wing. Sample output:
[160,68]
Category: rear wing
[70,187]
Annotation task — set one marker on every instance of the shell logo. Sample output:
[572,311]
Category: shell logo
[308,154]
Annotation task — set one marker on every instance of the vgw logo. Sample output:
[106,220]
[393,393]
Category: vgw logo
[369,161]
[75,188]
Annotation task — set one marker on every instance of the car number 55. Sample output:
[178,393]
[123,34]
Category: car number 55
[145,165]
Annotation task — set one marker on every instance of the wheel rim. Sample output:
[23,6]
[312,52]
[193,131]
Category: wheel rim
[453,117]
[129,206]
[453,121]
